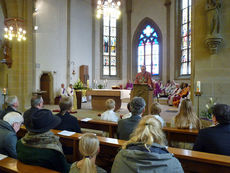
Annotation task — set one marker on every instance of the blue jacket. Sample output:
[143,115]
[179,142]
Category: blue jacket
[126,127]
[68,122]
[8,139]
[137,159]
[214,140]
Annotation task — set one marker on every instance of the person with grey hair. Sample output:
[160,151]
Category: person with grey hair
[12,105]
[126,126]
[68,121]
[9,126]
[36,104]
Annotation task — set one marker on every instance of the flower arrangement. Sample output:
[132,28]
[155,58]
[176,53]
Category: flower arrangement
[78,85]
[207,113]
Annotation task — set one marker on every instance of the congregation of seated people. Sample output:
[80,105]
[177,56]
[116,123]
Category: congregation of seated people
[145,147]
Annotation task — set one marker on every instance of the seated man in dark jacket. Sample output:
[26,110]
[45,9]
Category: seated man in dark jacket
[126,126]
[9,126]
[36,104]
[68,122]
[216,139]
[12,105]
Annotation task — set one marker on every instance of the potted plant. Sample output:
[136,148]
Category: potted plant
[206,115]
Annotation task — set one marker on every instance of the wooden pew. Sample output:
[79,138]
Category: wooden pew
[107,126]
[172,134]
[192,161]
[180,135]
[10,165]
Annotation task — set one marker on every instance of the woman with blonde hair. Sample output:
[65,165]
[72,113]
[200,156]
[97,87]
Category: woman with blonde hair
[89,148]
[186,118]
[146,151]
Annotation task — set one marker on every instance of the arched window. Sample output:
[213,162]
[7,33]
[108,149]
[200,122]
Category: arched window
[148,50]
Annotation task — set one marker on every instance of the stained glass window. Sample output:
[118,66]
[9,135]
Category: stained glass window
[148,50]
[109,45]
[185,60]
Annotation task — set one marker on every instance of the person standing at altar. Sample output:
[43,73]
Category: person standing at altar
[144,77]
[70,90]
[62,91]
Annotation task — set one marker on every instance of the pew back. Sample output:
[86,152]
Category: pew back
[10,165]
[172,134]
[192,161]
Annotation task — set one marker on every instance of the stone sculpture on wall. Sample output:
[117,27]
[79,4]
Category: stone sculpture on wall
[214,38]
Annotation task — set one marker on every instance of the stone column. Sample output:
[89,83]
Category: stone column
[168,6]
[129,42]
[19,78]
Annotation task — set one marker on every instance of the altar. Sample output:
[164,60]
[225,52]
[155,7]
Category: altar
[99,96]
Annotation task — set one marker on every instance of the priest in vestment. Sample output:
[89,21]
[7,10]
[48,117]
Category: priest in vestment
[144,77]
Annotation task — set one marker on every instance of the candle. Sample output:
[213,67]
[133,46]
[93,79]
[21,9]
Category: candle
[4,91]
[198,89]
[87,83]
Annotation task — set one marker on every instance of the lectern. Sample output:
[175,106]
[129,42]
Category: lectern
[144,91]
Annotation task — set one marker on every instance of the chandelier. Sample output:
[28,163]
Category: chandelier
[108,8]
[14,29]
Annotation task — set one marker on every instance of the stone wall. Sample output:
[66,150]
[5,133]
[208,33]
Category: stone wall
[212,70]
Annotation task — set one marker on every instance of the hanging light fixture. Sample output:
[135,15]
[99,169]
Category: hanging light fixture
[14,29]
[108,8]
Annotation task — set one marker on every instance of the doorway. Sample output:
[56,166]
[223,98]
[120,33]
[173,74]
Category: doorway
[45,85]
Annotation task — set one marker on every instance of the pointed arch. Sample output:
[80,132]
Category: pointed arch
[155,41]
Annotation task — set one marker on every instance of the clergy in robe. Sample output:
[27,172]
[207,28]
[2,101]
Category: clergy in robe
[144,77]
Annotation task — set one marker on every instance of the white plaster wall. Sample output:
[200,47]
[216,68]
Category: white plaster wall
[98,55]
[155,10]
[80,37]
[51,41]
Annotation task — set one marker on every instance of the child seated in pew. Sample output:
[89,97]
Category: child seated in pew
[155,110]
[110,115]
[185,119]
[128,115]
[89,148]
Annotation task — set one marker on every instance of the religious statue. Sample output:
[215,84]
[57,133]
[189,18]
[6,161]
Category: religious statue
[7,54]
[213,15]
[214,38]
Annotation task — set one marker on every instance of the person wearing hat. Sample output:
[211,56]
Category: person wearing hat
[40,146]
[9,126]
[126,126]
[216,139]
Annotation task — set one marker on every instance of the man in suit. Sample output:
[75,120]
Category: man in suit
[36,104]
[126,126]
[216,139]
[12,105]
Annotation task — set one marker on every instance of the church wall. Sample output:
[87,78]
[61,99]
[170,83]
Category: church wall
[212,70]
[80,37]
[155,10]
[51,41]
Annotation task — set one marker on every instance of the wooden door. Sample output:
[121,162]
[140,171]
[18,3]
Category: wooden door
[45,86]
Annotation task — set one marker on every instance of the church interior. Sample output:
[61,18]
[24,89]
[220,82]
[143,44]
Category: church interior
[47,43]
